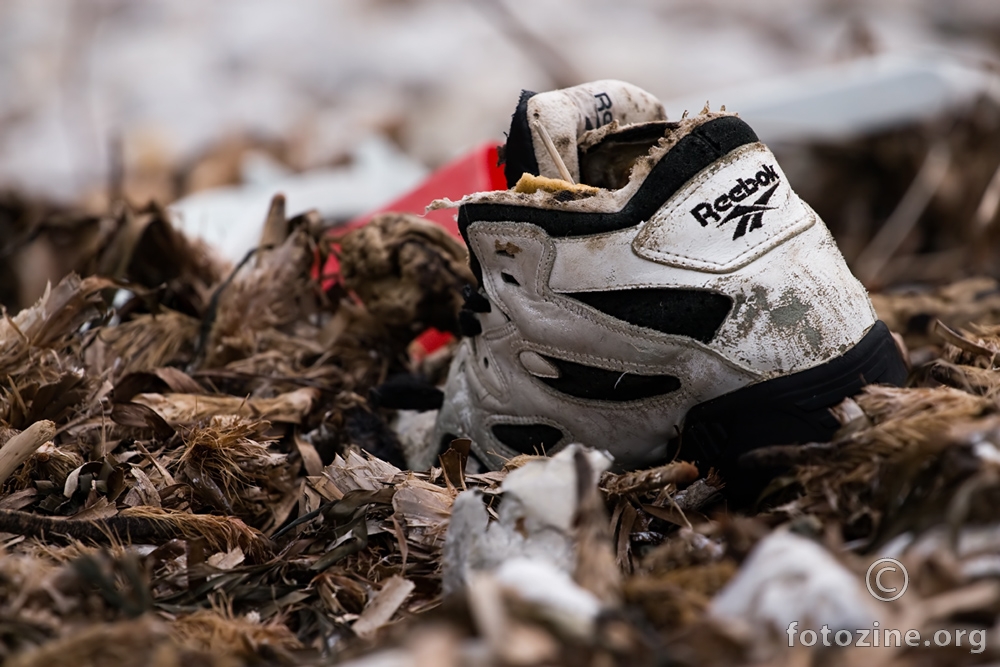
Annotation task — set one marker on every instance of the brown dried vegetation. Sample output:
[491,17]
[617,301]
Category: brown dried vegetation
[195,476]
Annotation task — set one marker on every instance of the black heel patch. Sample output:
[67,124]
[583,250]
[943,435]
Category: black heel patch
[788,410]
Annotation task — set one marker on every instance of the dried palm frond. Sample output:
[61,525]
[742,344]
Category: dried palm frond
[290,408]
[902,465]
[220,632]
[229,464]
[272,291]
[959,304]
[147,342]
[141,524]
[145,642]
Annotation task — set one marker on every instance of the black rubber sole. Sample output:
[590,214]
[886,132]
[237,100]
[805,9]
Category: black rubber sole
[788,410]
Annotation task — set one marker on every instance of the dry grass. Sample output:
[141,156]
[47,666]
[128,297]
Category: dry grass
[205,498]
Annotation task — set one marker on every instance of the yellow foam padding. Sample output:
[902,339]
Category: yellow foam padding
[530,184]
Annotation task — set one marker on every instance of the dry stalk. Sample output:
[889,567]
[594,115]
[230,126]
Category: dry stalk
[18,449]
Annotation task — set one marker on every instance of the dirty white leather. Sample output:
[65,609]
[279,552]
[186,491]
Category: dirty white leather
[736,229]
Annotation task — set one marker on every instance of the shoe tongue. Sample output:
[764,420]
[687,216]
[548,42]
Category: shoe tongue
[564,115]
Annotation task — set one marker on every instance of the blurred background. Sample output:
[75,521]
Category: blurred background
[884,114]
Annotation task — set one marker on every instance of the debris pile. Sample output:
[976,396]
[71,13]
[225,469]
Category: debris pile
[199,465]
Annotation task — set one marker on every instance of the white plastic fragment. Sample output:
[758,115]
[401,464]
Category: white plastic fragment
[230,219]
[536,519]
[786,579]
[529,554]
[552,592]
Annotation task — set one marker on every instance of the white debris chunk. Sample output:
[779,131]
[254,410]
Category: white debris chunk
[544,492]
[786,579]
[531,551]
[414,430]
[536,519]
[553,593]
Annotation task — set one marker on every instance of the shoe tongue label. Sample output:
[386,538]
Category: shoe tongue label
[726,216]
[566,114]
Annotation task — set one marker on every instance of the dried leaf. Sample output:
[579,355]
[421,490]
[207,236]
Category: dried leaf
[143,417]
[289,408]
[383,606]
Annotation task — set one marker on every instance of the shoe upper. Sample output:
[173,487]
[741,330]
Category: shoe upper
[685,269]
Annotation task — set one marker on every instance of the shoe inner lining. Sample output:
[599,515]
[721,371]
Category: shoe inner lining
[608,162]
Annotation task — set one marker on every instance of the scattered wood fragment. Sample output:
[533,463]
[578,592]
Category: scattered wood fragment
[383,606]
[640,481]
[16,451]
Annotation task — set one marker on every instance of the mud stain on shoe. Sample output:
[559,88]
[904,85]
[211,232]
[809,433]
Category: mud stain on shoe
[794,314]
[506,249]
[790,315]
[746,310]
[598,242]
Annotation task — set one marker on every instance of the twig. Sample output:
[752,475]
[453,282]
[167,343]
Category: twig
[989,203]
[891,235]
[678,472]
[17,450]
[136,529]
[961,342]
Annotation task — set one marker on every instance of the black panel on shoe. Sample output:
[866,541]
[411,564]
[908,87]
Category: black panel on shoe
[475,301]
[519,152]
[468,324]
[787,410]
[599,384]
[694,152]
[693,313]
[527,438]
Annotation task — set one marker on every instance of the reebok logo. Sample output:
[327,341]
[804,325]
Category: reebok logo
[749,216]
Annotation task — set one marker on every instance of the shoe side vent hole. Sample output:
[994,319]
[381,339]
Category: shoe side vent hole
[507,278]
[528,438]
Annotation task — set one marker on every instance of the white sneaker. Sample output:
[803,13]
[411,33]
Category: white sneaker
[688,296]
